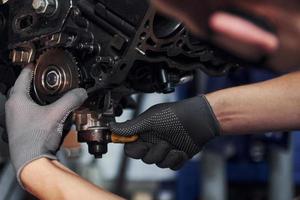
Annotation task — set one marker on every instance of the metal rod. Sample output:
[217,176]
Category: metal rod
[214,185]
[281,185]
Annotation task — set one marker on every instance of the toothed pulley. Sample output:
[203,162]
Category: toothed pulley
[55,73]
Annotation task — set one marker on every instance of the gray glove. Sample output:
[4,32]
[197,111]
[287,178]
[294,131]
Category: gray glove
[2,117]
[36,131]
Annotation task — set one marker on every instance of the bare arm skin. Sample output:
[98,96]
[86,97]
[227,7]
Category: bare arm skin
[267,106]
[50,180]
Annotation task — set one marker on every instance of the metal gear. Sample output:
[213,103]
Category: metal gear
[55,73]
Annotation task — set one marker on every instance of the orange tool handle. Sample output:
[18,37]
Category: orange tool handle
[123,139]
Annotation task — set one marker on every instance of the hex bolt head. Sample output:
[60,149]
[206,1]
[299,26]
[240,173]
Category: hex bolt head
[39,5]
[3,1]
[52,79]
[46,7]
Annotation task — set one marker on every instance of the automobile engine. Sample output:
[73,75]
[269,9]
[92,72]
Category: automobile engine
[113,48]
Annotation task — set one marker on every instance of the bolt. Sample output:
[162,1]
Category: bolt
[39,5]
[3,1]
[47,7]
[52,79]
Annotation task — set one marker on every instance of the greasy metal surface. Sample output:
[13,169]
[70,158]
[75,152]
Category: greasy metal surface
[25,54]
[41,25]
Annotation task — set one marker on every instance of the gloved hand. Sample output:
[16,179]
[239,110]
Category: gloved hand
[36,131]
[170,133]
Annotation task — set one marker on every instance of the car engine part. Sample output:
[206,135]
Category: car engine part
[113,48]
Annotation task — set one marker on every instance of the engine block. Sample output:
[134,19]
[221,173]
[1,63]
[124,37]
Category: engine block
[113,48]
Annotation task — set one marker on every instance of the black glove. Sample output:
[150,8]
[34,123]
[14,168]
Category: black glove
[170,133]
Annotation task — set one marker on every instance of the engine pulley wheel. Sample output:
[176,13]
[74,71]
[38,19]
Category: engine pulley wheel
[55,73]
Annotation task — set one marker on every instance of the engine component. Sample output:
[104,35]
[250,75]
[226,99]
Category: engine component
[92,128]
[47,7]
[112,48]
[55,73]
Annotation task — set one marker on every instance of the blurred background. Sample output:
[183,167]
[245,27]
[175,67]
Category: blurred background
[260,167]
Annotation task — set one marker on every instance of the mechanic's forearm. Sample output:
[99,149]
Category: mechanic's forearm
[49,180]
[62,167]
[268,106]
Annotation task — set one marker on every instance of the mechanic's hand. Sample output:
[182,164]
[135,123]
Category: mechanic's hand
[170,133]
[239,35]
[36,131]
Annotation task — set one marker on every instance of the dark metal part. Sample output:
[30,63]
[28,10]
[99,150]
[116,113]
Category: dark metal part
[96,139]
[23,55]
[93,129]
[46,7]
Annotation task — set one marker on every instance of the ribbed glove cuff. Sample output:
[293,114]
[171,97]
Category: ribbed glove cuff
[199,119]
